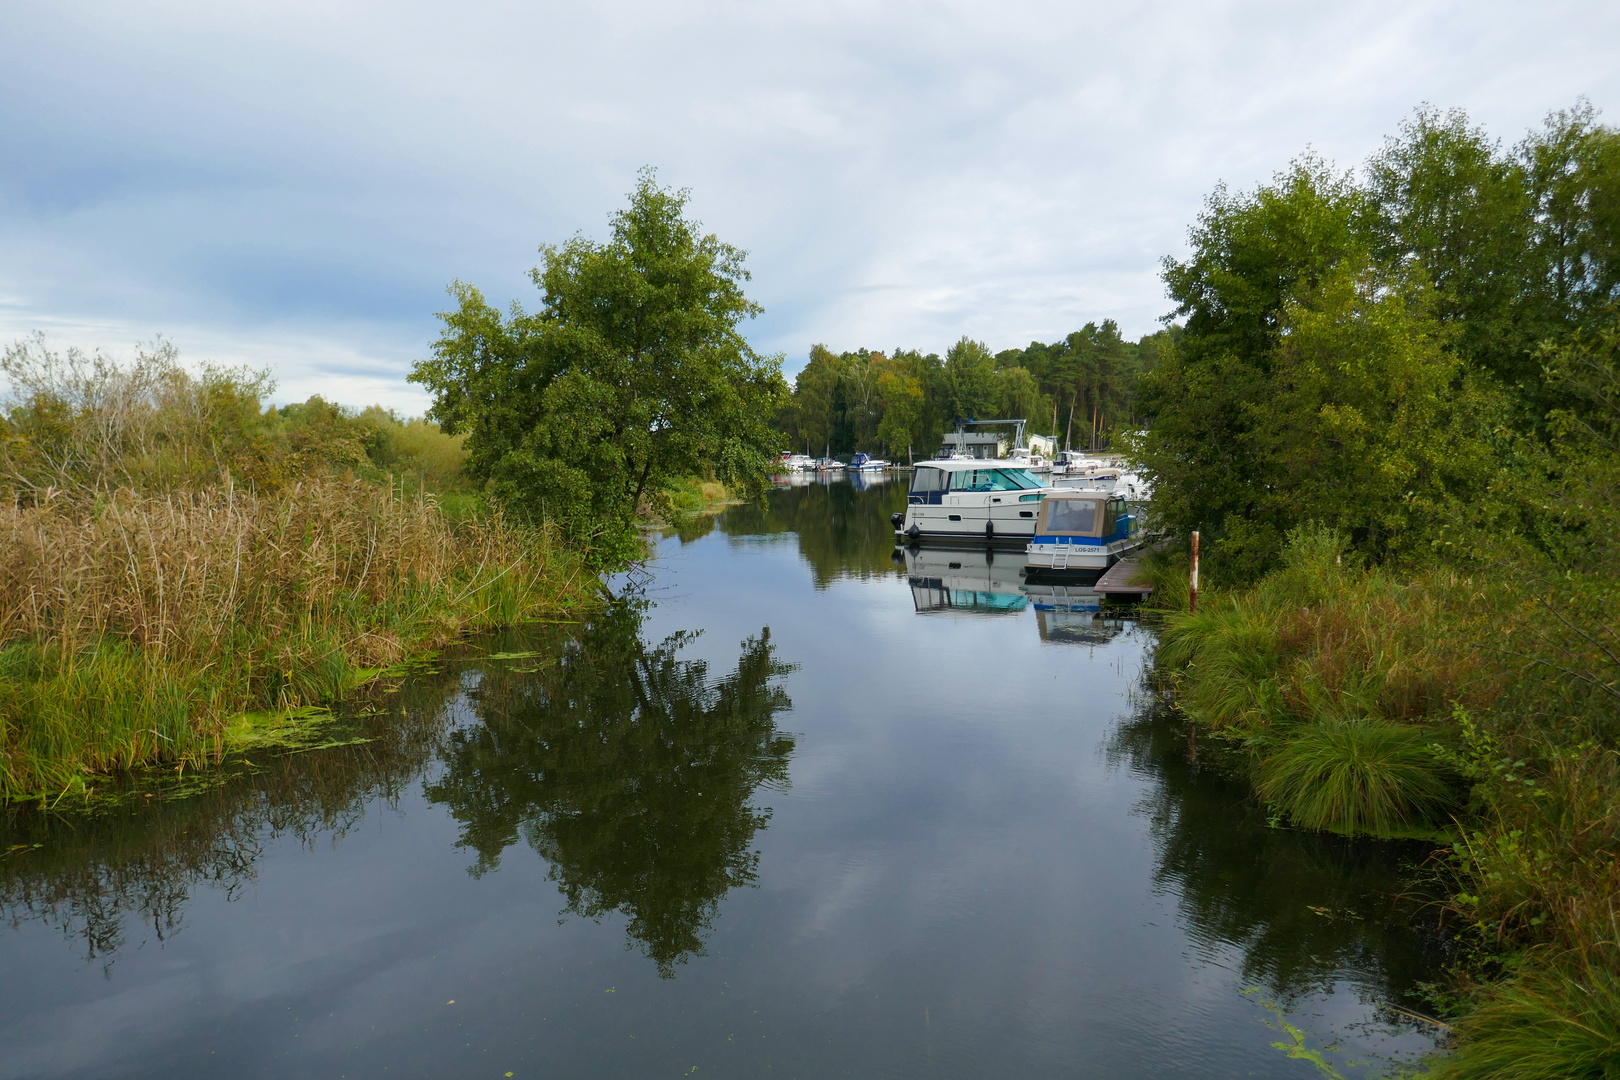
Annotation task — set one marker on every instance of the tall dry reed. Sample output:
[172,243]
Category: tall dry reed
[134,626]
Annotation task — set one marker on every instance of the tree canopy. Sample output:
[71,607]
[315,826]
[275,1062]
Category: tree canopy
[1371,353]
[1082,389]
[633,372]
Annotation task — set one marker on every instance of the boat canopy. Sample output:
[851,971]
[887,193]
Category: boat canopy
[1079,513]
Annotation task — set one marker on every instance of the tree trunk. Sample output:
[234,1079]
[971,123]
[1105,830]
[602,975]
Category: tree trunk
[1068,432]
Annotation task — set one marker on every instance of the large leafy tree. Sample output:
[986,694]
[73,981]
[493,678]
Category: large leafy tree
[1312,382]
[634,371]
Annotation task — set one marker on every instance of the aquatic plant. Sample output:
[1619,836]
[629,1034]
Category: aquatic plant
[1354,776]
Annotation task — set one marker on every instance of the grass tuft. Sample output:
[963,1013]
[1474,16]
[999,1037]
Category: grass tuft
[1354,776]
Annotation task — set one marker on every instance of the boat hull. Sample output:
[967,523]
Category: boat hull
[1046,558]
[1000,519]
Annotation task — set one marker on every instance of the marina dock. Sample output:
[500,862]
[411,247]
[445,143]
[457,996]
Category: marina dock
[1120,581]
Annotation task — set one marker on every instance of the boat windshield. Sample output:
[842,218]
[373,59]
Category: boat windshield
[994,480]
[1078,516]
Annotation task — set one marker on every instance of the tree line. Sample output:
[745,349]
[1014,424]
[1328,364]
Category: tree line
[1082,389]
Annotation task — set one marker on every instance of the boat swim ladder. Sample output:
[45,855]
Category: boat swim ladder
[1060,556]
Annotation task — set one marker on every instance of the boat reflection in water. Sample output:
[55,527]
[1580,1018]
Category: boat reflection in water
[985,583]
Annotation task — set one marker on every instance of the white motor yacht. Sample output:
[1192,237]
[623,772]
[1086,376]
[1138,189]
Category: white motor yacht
[976,500]
[1032,460]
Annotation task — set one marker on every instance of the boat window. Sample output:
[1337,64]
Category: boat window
[1111,516]
[993,480]
[1071,516]
[925,480]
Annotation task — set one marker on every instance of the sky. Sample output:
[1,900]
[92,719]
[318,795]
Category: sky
[291,185]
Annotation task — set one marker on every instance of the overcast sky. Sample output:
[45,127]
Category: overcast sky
[292,184]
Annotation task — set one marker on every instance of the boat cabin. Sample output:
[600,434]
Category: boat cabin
[932,481]
[1095,518]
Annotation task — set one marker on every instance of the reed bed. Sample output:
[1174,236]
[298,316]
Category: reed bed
[135,627]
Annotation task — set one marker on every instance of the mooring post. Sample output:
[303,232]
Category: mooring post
[1192,590]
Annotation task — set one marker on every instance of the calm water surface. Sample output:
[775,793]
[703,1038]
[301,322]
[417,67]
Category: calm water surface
[793,809]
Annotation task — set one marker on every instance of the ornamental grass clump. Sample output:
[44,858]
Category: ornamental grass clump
[1354,776]
[1330,677]
[1556,1020]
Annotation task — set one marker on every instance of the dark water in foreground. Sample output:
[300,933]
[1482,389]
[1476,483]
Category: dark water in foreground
[792,816]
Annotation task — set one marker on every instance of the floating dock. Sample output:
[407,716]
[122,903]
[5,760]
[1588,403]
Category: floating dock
[1121,580]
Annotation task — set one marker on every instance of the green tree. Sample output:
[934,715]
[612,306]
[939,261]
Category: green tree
[1310,382]
[967,382]
[1017,394]
[903,406]
[633,372]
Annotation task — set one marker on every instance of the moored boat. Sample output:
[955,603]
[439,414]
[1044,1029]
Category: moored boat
[972,501]
[1081,532]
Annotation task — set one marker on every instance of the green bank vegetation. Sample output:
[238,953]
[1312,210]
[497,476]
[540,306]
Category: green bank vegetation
[186,568]
[181,564]
[1394,415]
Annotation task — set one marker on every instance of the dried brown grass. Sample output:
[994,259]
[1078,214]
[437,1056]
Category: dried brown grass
[134,626]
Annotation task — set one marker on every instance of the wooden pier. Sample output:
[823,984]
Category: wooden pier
[1121,581]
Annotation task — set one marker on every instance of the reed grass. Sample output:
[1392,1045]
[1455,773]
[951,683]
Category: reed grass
[1557,1019]
[1380,699]
[135,627]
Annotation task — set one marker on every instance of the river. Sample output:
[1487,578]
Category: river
[792,808]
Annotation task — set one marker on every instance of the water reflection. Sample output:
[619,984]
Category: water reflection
[1306,910]
[841,524]
[960,884]
[138,860]
[629,770]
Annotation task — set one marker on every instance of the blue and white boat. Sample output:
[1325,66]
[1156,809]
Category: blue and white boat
[867,463]
[1082,532]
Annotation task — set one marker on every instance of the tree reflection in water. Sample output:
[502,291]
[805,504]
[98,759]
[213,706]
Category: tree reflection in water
[155,842]
[630,771]
[842,527]
[1306,910]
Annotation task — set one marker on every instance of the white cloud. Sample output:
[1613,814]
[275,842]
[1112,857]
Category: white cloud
[298,181]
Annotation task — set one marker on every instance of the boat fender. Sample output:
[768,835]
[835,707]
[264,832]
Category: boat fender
[914,532]
[989,530]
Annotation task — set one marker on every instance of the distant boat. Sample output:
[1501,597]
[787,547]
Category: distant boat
[828,464]
[867,463]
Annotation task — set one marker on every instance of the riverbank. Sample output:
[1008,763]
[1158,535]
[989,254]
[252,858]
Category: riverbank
[144,629]
[1471,709]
